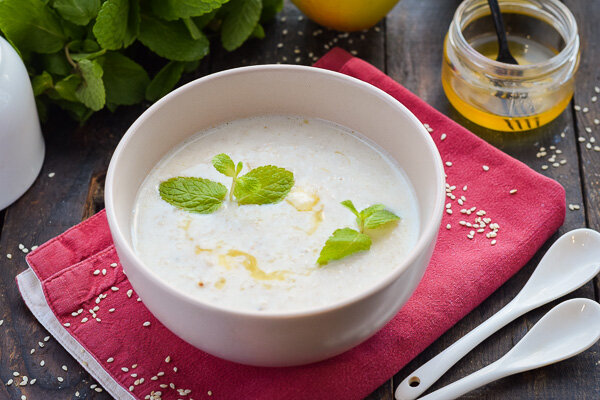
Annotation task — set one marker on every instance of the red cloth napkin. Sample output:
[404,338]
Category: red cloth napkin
[462,273]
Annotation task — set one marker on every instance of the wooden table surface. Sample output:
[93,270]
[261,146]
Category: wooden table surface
[407,45]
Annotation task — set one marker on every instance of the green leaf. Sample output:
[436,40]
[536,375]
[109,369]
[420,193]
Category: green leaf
[117,23]
[164,81]
[171,40]
[245,185]
[196,195]
[239,23]
[67,87]
[41,83]
[190,66]
[223,163]
[342,243]
[79,12]
[275,184]
[377,217]
[349,205]
[125,80]
[176,9]
[31,26]
[195,33]
[91,91]
[56,63]
[77,110]
[270,9]
[238,167]
[258,32]
[87,56]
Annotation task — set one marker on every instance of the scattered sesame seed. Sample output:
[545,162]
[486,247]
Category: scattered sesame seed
[596,121]
[209,393]
[174,369]
[67,324]
[585,109]
[23,397]
[84,320]
[59,378]
[581,139]
[42,363]
[131,388]
[588,146]
[577,107]
[544,167]
[134,366]
[114,265]
[279,45]
[161,373]
[449,163]
[51,175]
[588,129]
[24,381]
[465,188]
[77,394]
[124,369]
[110,359]
[513,191]
[448,226]
[596,89]
[147,323]
[16,373]
[594,99]
[443,137]
[40,344]
[96,272]
[9,256]
[493,242]
[111,310]
[64,368]
[596,148]
[32,351]
[9,382]
[168,359]
[486,168]
[129,293]
[46,338]
[556,165]
[449,211]
[103,271]
[563,162]
[34,380]
[98,389]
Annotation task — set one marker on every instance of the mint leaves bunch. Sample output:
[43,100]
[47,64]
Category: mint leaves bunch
[346,241]
[81,54]
[263,185]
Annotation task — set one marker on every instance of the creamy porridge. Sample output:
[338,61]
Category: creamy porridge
[263,257]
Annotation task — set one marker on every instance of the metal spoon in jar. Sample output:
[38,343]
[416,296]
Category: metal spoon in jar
[572,261]
[565,331]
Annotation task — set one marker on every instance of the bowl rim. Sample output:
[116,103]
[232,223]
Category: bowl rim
[428,234]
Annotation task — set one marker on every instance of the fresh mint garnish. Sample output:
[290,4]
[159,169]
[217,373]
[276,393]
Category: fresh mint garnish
[197,195]
[342,243]
[347,241]
[263,185]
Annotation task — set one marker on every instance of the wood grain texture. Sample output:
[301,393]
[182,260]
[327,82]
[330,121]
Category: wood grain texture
[408,45]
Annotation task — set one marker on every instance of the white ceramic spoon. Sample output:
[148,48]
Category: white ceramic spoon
[572,261]
[568,329]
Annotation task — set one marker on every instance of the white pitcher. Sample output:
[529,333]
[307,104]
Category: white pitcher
[21,141]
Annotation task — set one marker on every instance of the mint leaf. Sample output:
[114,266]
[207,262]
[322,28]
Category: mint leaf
[176,9]
[31,26]
[91,91]
[77,111]
[66,87]
[239,167]
[269,9]
[223,163]
[124,79]
[41,83]
[171,40]
[117,23]
[349,205]
[56,63]
[165,80]
[342,243]
[245,186]
[239,22]
[196,195]
[274,184]
[258,32]
[376,215]
[79,12]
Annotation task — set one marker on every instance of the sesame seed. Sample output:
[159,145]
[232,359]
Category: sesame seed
[84,320]
[448,211]
[513,191]
[443,137]
[209,393]
[77,393]
[588,129]
[486,168]
[581,139]
[51,175]
[110,359]
[596,148]
[67,324]
[592,140]
[134,366]
[24,381]
[448,226]
[111,310]
[544,167]
[42,363]
[46,338]
[16,373]
[279,45]
[493,242]
[168,359]
[129,293]
[124,369]
[449,163]
[555,165]
[64,368]
[577,107]
[32,351]
[23,397]
[161,373]
[40,344]
[588,146]
[114,265]
[34,380]
[59,378]
[131,388]
[154,378]
[585,109]
[174,369]
[103,271]
[96,272]
[98,389]
[563,162]
[596,89]
[147,323]
[9,256]
[465,188]
[9,382]
[596,121]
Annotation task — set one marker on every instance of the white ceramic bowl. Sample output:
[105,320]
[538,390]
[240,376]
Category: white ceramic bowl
[276,338]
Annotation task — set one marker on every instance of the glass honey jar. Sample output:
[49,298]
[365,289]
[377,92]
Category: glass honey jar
[543,38]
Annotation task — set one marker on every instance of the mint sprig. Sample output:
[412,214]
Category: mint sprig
[347,241]
[55,37]
[263,185]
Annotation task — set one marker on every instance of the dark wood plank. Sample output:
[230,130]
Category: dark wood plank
[414,57]
[588,80]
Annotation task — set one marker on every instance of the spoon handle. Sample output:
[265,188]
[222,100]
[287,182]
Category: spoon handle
[471,382]
[425,376]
